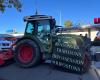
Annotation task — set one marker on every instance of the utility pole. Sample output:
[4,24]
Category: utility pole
[60,19]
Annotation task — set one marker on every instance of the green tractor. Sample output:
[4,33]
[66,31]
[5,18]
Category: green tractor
[43,40]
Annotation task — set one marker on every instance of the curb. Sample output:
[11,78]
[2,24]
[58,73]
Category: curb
[97,73]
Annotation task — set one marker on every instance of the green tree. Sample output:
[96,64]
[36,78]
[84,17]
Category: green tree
[68,23]
[10,3]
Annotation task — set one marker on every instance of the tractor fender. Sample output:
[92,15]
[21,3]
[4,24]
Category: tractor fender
[35,40]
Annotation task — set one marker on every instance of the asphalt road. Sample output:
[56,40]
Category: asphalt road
[42,72]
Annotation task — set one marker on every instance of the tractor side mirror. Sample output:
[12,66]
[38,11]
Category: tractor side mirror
[53,23]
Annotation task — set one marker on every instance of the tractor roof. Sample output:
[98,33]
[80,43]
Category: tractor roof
[37,17]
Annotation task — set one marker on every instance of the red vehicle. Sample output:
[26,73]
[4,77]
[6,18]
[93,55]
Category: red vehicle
[5,51]
[6,48]
[5,55]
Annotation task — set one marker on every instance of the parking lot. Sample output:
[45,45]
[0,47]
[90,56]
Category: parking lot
[43,72]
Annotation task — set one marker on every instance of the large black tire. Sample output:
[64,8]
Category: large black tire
[86,56]
[27,53]
[86,62]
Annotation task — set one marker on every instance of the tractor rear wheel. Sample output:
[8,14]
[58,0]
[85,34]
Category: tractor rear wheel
[27,53]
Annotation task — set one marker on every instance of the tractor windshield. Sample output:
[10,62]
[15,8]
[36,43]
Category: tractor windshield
[43,27]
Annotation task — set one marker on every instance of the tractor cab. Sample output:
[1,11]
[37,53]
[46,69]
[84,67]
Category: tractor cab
[39,25]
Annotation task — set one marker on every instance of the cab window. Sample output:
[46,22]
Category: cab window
[30,28]
[43,27]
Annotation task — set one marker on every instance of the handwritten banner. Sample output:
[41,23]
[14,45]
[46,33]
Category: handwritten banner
[67,55]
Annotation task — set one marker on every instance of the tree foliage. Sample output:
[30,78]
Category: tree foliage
[68,23]
[10,3]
